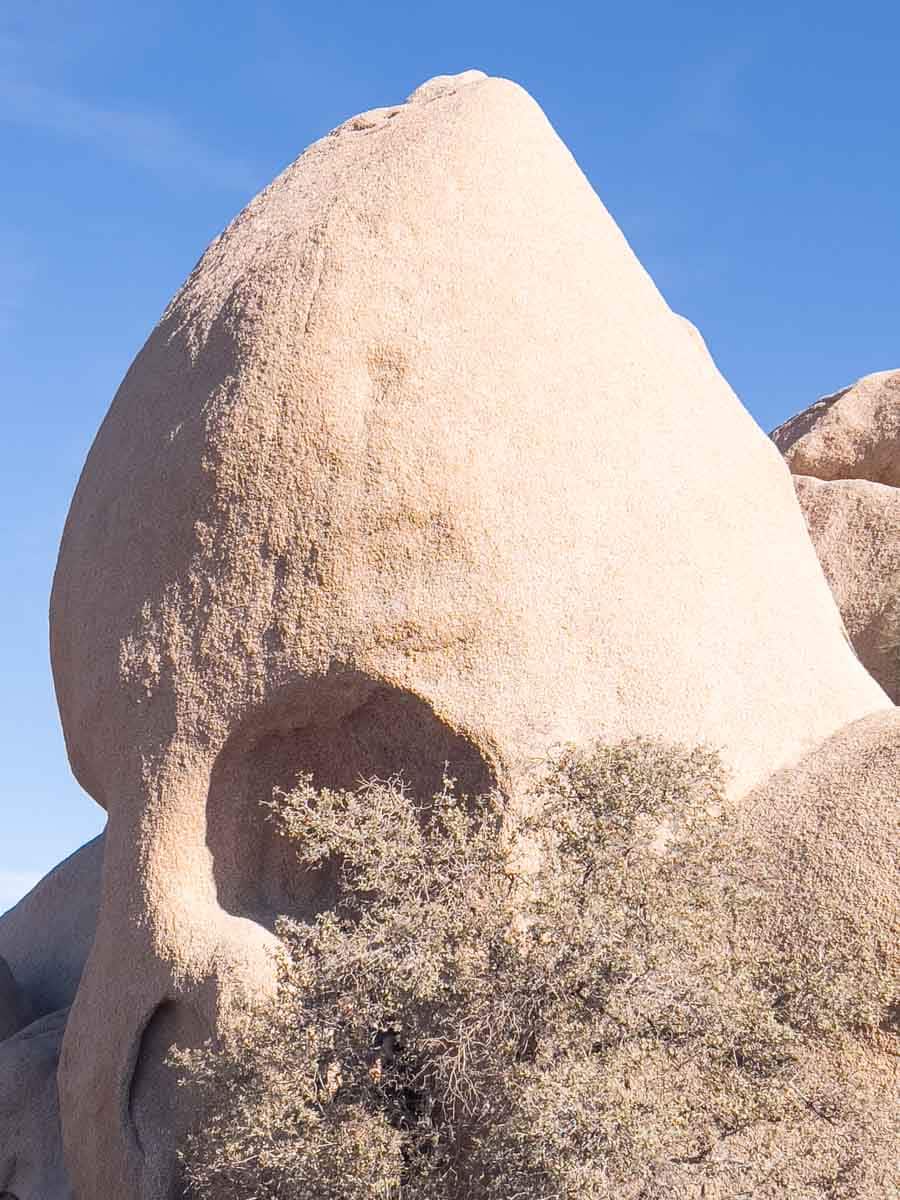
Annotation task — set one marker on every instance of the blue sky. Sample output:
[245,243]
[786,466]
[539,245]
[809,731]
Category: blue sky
[749,152]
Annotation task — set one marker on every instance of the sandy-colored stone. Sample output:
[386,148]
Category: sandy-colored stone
[31,1160]
[46,937]
[855,528]
[401,477]
[854,434]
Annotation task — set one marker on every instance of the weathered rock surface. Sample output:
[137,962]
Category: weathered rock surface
[31,1162]
[854,434]
[46,938]
[855,528]
[400,478]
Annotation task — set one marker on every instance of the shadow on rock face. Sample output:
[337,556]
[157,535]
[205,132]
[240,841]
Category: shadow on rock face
[15,1009]
[31,1163]
[157,1105]
[341,731]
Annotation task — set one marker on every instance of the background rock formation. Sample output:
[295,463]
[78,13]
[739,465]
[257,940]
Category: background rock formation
[44,942]
[855,528]
[854,434]
[46,938]
[31,1160]
[845,454]
[400,479]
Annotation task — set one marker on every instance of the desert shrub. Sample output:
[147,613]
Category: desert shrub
[568,998]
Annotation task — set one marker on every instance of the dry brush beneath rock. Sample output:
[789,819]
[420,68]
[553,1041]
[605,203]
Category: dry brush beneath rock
[587,997]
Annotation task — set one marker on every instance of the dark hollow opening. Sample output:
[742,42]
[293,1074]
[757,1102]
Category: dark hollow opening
[341,730]
[157,1105]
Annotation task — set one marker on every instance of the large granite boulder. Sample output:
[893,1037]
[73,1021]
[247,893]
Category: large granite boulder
[401,479]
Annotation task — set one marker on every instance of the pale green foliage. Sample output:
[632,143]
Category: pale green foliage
[574,1001]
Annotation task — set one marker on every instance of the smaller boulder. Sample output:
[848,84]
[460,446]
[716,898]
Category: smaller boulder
[854,434]
[855,528]
[826,829]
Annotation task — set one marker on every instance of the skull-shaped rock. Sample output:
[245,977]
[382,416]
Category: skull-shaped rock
[418,467]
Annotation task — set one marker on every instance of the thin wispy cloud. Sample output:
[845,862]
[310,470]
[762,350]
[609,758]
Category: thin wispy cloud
[14,885]
[150,140]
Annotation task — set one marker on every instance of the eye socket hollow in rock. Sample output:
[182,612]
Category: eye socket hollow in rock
[341,730]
